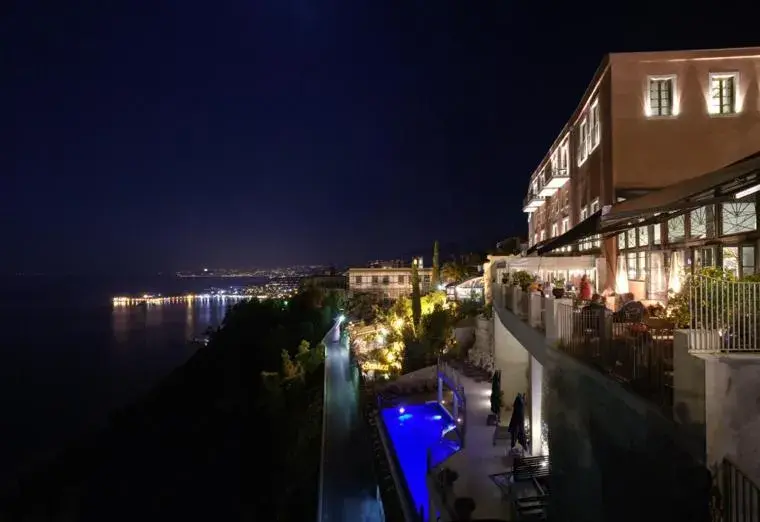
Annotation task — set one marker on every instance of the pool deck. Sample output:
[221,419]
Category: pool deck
[480,458]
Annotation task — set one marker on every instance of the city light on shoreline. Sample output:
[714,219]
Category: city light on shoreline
[158,299]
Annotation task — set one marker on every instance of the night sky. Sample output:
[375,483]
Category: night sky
[161,135]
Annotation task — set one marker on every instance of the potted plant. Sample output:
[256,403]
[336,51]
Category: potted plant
[522,279]
[464,508]
[446,479]
[497,399]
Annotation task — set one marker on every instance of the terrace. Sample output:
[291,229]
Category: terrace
[679,375]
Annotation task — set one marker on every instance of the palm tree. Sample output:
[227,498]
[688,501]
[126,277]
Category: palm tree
[453,272]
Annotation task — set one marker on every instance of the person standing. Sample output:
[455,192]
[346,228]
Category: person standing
[517,423]
[585,288]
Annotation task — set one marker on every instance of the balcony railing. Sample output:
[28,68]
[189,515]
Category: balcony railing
[635,352]
[626,349]
[532,201]
[741,496]
[723,315]
[550,181]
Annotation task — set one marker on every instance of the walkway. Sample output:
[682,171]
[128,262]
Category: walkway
[348,489]
[480,458]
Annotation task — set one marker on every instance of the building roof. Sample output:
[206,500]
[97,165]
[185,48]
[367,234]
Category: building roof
[475,282]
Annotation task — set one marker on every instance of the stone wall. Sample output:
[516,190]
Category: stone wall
[614,457]
[483,334]
[717,399]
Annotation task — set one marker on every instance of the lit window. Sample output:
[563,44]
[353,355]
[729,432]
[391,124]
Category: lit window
[594,130]
[555,230]
[543,235]
[642,266]
[584,213]
[643,236]
[595,206]
[656,234]
[565,224]
[631,238]
[621,241]
[637,266]
[661,96]
[748,260]
[582,141]
[676,229]
[731,260]
[738,217]
[631,261]
[564,154]
[699,223]
[723,93]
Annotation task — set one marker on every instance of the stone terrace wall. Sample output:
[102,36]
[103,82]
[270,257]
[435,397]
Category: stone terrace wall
[614,457]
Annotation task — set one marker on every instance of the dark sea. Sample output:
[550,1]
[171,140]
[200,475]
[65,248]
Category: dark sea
[68,356]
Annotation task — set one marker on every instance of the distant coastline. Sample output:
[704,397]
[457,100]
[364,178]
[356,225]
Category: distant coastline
[218,276]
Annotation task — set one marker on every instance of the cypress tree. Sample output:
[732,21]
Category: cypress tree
[416,303]
[435,278]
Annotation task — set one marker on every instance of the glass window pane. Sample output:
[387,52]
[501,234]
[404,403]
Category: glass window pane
[738,217]
[642,268]
[631,261]
[631,240]
[656,234]
[676,230]
[643,236]
[730,260]
[699,223]
[621,241]
[748,260]
[657,283]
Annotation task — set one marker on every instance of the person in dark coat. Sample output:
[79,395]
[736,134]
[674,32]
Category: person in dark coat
[517,422]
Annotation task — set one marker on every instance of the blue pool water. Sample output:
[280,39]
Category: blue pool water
[413,429]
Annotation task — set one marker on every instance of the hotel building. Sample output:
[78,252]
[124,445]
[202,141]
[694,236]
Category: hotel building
[648,121]
[388,281]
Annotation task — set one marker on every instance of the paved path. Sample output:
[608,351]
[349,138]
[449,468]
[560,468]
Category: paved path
[480,458]
[348,485]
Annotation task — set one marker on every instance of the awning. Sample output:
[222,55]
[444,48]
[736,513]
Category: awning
[536,263]
[584,229]
[690,194]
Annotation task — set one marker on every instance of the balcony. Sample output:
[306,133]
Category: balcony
[549,182]
[532,202]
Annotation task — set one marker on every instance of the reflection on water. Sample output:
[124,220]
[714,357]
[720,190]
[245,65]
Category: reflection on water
[164,323]
[64,366]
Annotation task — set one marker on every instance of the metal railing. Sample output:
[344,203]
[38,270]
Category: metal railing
[450,378]
[630,351]
[723,315]
[741,496]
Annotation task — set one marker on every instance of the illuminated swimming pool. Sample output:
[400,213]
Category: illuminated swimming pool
[413,429]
